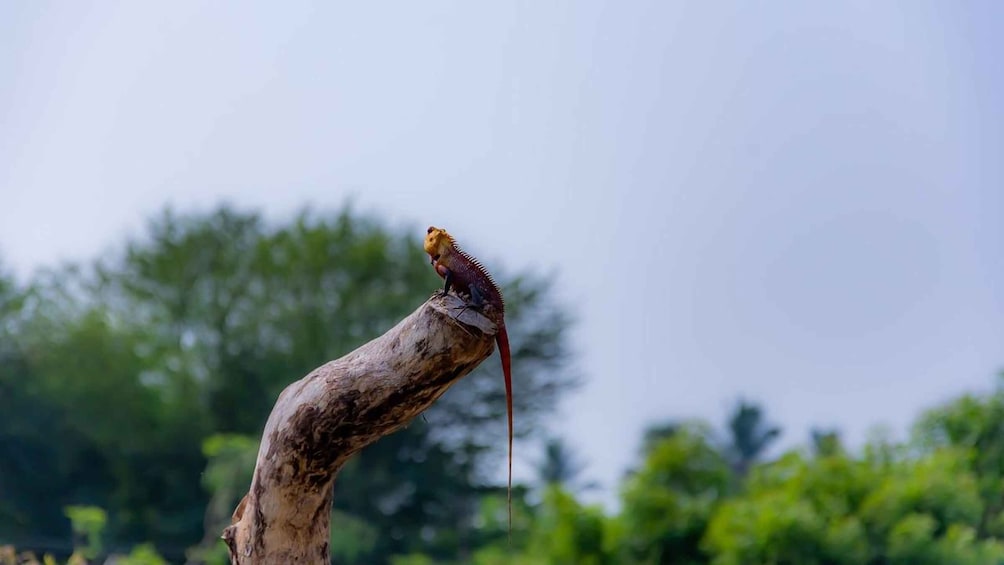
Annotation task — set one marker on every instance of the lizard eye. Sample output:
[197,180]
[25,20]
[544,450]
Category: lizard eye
[430,229]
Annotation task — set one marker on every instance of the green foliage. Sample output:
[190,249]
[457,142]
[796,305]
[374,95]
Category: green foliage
[493,555]
[749,436]
[10,556]
[794,511]
[670,499]
[938,486]
[840,510]
[825,443]
[560,465]
[915,541]
[230,460]
[974,427]
[412,559]
[143,554]
[566,533]
[88,522]
[921,503]
[559,530]
[352,539]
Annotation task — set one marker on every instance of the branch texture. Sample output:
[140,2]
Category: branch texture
[321,420]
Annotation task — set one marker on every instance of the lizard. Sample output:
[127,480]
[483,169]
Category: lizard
[466,274]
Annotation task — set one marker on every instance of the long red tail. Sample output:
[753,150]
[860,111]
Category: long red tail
[502,340]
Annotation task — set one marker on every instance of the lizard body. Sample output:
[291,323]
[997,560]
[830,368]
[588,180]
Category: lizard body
[464,273]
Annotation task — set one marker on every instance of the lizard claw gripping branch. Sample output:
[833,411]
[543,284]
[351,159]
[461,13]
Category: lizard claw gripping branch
[465,274]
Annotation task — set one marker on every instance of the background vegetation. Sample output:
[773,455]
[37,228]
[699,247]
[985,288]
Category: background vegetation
[133,390]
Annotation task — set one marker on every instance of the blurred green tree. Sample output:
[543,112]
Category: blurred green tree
[973,425]
[227,477]
[825,442]
[749,436]
[561,466]
[835,510]
[794,511]
[668,502]
[654,435]
[565,532]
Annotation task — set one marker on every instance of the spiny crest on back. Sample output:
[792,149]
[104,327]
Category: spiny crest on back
[481,268]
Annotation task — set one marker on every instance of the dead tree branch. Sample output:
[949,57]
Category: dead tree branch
[321,420]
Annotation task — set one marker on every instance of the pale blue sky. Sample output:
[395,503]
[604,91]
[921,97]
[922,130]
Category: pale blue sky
[796,202]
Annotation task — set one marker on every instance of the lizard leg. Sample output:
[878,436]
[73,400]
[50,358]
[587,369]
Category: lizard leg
[448,278]
[477,299]
[476,302]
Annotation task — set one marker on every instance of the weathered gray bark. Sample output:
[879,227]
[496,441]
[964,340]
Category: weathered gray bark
[321,420]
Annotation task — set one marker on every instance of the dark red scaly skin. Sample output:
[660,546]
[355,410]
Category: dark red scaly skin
[467,275]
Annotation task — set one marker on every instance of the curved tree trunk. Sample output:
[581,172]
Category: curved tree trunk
[321,420]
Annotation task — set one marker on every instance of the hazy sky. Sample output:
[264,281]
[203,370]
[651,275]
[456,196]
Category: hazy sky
[796,202]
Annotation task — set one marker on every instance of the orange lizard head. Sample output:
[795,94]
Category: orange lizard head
[437,242]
